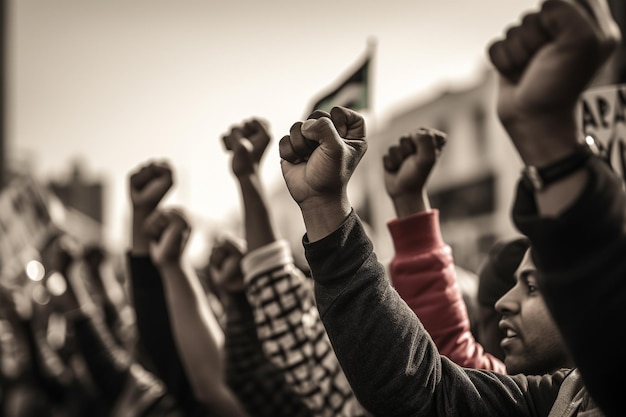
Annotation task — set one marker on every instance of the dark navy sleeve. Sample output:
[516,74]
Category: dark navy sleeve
[156,338]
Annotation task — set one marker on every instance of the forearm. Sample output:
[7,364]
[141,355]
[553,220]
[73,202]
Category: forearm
[409,204]
[389,359]
[257,218]
[154,326]
[333,289]
[422,271]
[542,140]
[559,196]
[196,331]
[322,216]
[140,241]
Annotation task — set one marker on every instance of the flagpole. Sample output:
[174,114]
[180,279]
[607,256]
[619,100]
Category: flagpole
[371,56]
[374,183]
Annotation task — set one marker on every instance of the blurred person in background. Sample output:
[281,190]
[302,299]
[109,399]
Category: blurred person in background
[110,294]
[177,329]
[258,382]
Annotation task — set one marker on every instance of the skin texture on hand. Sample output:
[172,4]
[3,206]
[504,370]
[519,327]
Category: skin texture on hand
[225,266]
[545,63]
[318,182]
[407,166]
[198,334]
[147,186]
[169,232]
[248,143]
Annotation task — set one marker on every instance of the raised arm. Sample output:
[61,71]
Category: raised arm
[248,143]
[575,221]
[422,269]
[196,331]
[148,185]
[282,299]
[107,362]
[390,360]
[318,181]
[545,63]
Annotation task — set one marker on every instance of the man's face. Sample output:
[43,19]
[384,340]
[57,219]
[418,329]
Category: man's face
[533,344]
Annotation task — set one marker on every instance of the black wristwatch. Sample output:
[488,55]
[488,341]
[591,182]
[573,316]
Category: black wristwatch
[539,178]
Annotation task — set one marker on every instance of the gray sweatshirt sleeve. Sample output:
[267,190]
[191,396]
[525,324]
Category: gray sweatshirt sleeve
[391,362]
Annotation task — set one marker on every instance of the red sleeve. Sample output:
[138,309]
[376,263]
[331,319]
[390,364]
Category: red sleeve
[422,271]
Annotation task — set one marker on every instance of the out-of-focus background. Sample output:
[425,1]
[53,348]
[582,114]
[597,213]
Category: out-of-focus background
[94,89]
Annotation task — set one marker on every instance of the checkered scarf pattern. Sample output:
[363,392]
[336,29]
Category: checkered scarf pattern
[258,383]
[295,340]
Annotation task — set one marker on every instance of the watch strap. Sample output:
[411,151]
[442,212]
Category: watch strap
[539,178]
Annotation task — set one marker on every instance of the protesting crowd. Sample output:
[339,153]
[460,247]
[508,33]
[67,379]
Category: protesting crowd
[255,333]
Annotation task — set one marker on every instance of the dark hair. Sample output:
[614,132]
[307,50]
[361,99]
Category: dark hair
[496,275]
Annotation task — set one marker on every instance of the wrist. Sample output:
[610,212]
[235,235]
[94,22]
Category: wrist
[249,175]
[408,204]
[140,242]
[169,265]
[248,182]
[542,140]
[539,178]
[141,213]
[324,215]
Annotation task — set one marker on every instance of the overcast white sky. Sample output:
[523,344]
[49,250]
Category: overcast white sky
[118,82]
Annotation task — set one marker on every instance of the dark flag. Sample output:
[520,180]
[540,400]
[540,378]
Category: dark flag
[353,90]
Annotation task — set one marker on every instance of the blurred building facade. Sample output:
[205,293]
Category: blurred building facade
[83,204]
[80,193]
[472,185]
[3,112]
[32,211]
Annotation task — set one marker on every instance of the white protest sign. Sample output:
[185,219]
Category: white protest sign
[602,114]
